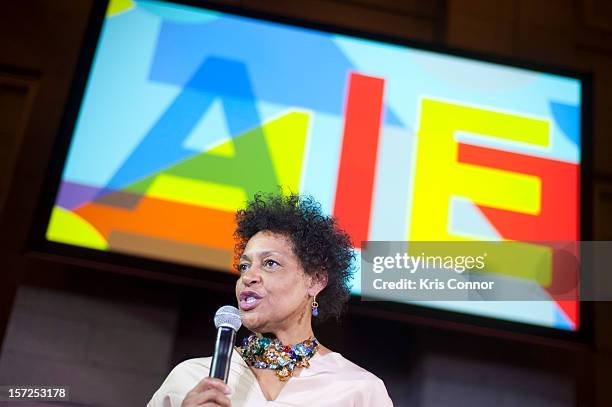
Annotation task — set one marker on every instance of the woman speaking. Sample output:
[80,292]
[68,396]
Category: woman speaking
[295,267]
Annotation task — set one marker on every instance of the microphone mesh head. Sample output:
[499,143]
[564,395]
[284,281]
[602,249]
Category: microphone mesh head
[228,316]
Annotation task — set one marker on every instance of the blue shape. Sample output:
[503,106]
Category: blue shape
[561,320]
[288,66]
[119,105]
[221,78]
[567,118]
[177,12]
[163,145]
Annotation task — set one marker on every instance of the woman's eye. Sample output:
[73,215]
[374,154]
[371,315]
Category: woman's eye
[270,263]
[243,267]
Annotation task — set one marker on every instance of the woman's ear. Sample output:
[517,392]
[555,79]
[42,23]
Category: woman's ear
[318,282]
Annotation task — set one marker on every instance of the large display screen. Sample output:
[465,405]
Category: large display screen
[188,112]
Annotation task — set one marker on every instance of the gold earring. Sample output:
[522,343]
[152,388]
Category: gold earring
[315,307]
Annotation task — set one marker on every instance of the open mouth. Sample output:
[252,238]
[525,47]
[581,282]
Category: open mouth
[249,300]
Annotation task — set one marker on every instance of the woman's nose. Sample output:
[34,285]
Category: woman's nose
[250,277]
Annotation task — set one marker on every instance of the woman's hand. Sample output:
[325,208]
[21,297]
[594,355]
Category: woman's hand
[209,392]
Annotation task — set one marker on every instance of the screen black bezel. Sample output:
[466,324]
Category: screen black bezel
[38,246]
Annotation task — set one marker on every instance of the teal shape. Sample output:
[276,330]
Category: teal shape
[567,118]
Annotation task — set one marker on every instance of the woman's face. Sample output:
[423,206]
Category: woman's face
[272,290]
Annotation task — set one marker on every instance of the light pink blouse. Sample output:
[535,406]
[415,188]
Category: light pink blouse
[331,380]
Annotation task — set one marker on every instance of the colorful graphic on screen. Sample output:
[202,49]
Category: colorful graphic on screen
[189,112]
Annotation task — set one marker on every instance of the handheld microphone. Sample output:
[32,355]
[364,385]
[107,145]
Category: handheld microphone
[227,321]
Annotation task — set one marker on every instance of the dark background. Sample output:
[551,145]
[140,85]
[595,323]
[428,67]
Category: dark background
[113,337]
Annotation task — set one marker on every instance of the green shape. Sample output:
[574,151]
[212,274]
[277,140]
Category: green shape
[266,159]
[250,168]
[141,186]
[286,139]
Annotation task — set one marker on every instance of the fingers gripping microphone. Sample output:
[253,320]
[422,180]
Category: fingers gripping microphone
[227,321]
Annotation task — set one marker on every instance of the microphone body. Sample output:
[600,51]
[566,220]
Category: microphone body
[227,321]
[220,366]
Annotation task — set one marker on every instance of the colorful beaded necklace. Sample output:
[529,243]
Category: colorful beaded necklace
[266,353]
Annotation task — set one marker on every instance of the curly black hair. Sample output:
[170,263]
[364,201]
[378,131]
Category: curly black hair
[318,242]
